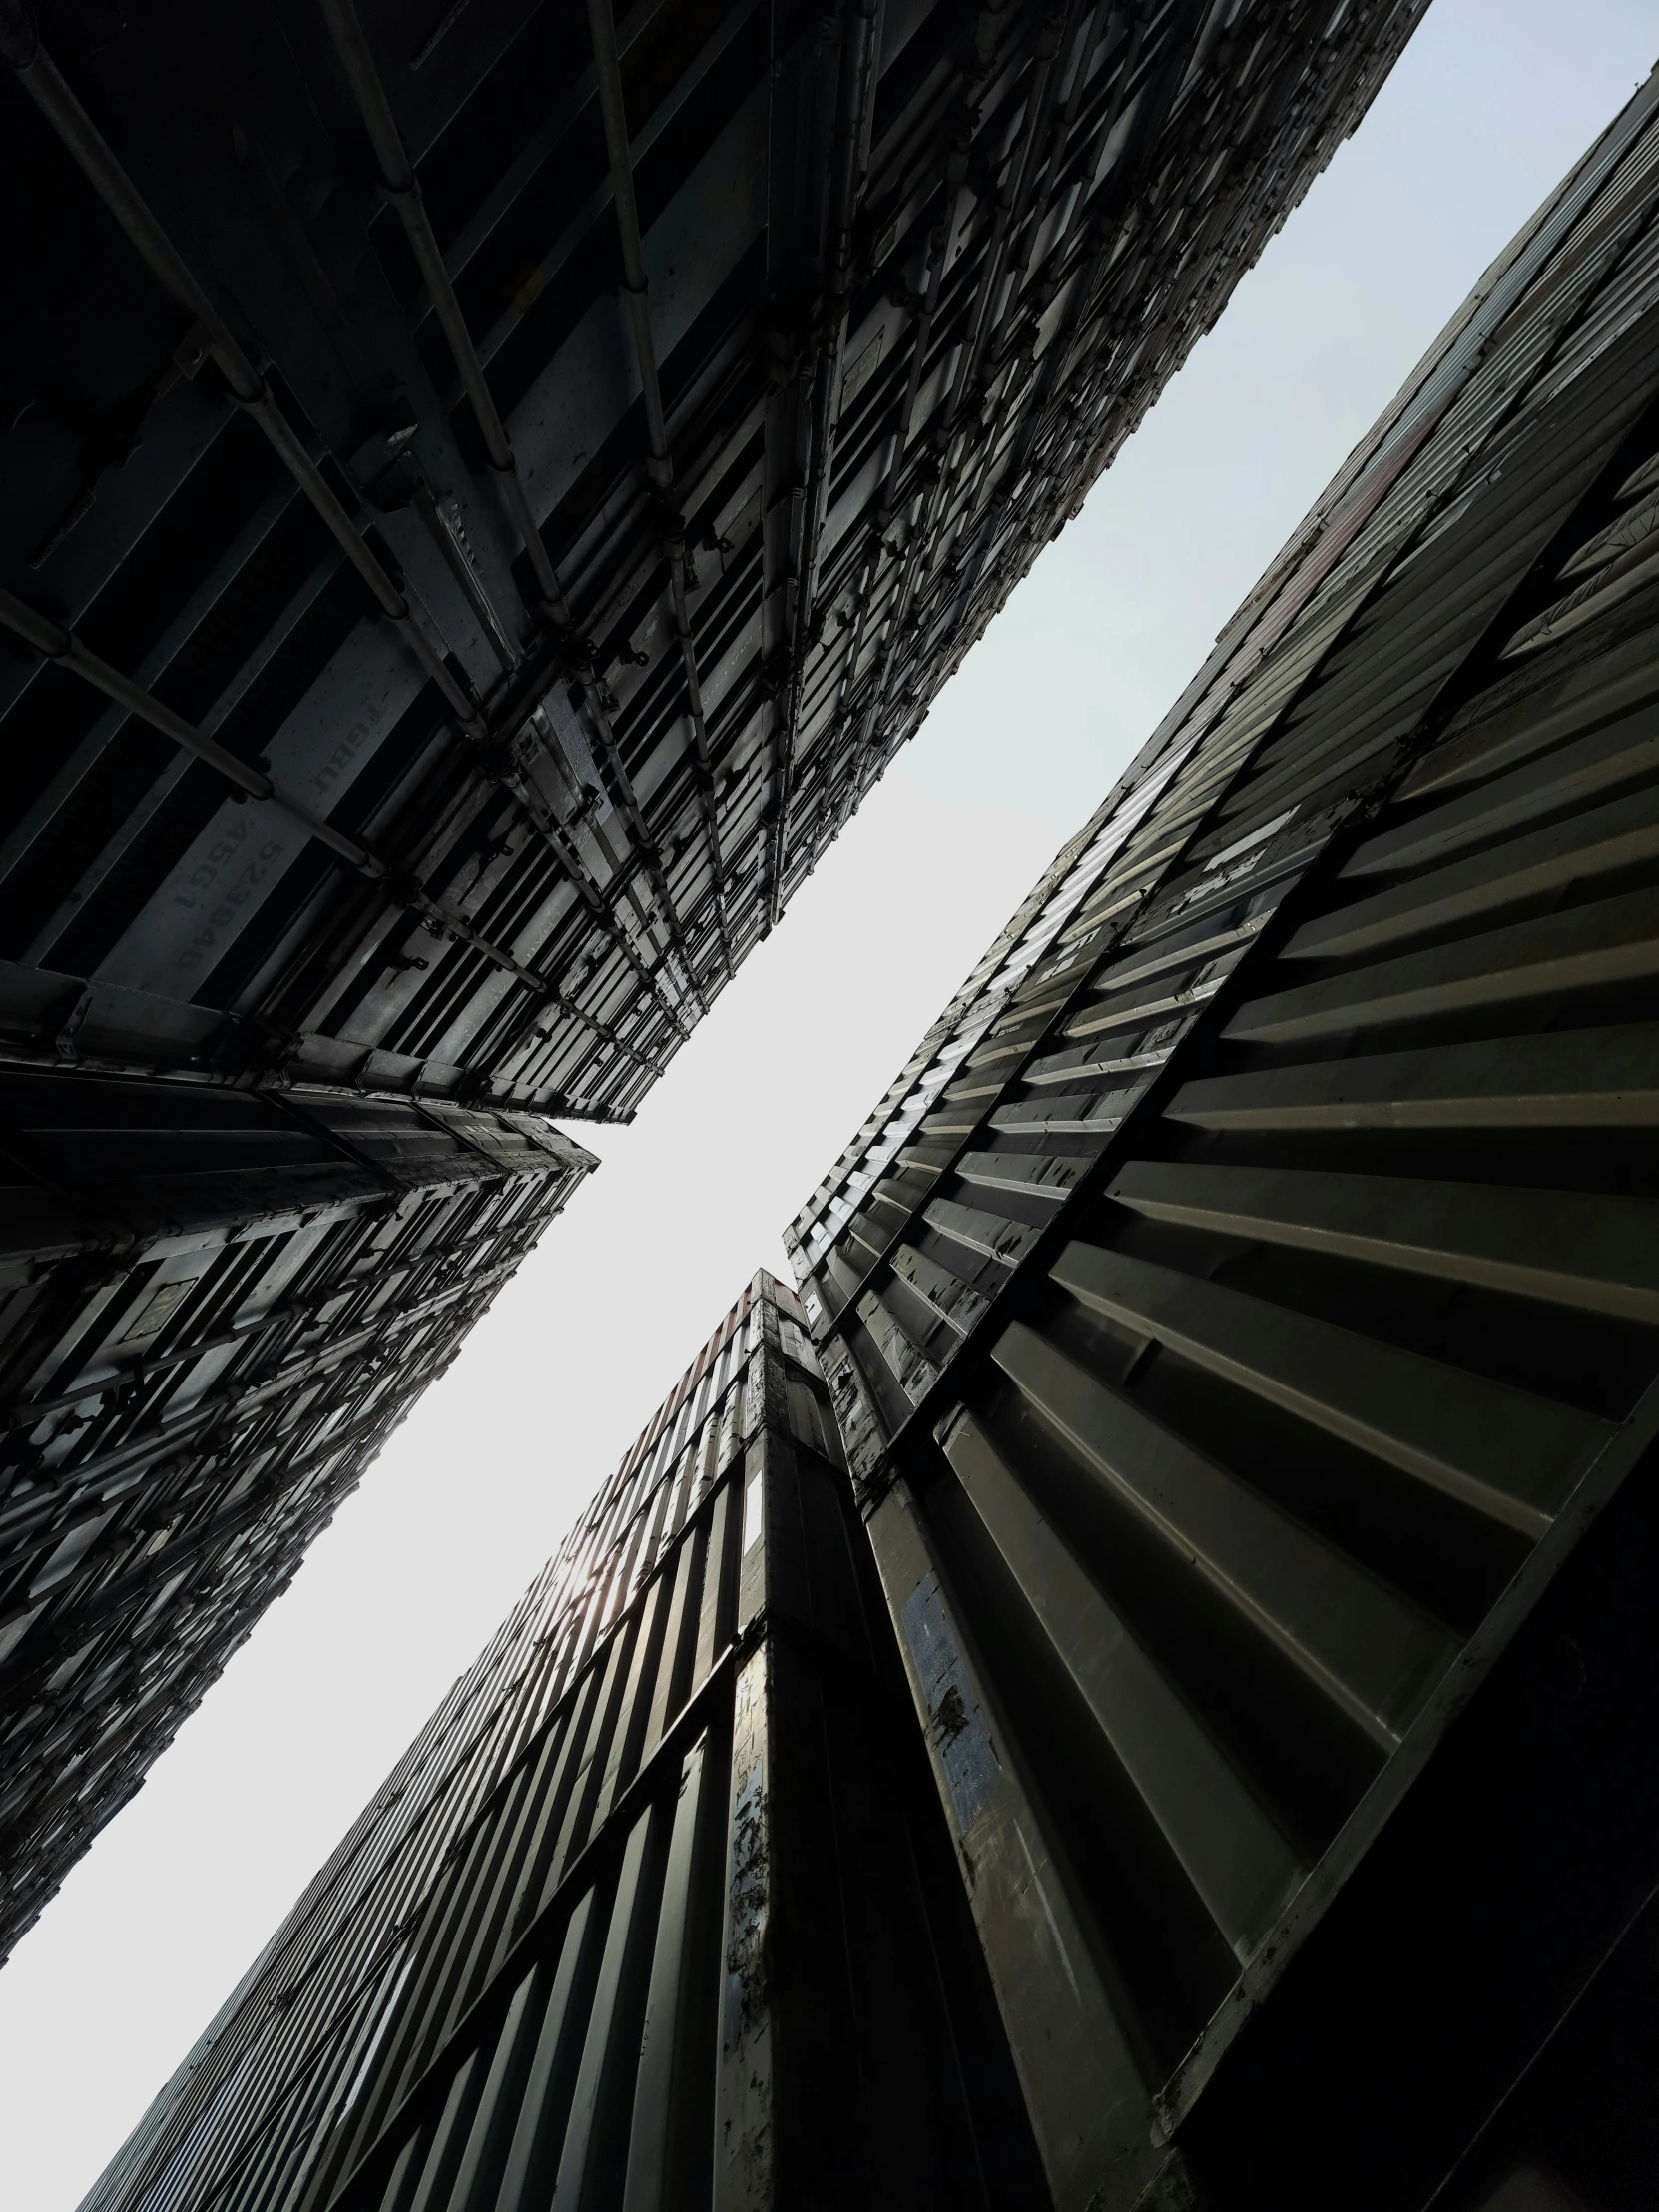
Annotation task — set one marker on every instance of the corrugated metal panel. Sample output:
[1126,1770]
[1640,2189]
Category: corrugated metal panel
[1207,836]
[1257,1340]
[217,1305]
[483,496]
[657,1910]
[536,469]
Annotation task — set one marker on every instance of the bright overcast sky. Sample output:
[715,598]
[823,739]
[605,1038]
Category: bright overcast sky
[1493,102]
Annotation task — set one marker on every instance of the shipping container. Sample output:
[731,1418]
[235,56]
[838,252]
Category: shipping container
[487,488]
[1132,1696]
[659,1911]
[485,494]
[215,1306]
[1243,1322]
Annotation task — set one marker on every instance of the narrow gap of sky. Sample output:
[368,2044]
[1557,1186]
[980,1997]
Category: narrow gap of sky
[1493,102]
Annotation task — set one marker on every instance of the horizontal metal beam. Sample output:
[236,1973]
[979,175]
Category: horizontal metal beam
[50,91]
[62,646]
[402,188]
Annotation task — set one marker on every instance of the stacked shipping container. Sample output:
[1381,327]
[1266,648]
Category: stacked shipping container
[482,496]
[1215,1773]
[482,499]
[217,1306]
[657,1910]
[1240,1310]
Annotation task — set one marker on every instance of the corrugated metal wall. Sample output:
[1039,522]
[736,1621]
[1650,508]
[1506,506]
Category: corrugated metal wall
[1243,1322]
[216,1306]
[1239,1342]
[467,550]
[650,406]
[1041,1006]
[659,1910]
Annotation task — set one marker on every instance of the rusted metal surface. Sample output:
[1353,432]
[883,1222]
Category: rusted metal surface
[523,470]
[658,1910]
[216,1307]
[1242,1304]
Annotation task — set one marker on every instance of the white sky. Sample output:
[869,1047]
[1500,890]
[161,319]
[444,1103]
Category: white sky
[1493,102]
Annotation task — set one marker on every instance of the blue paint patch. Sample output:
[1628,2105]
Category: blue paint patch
[954,1721]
